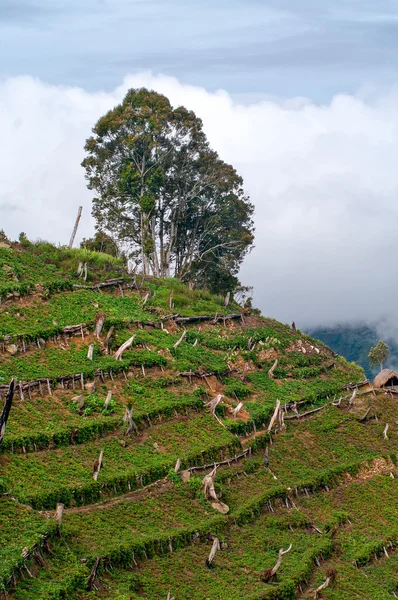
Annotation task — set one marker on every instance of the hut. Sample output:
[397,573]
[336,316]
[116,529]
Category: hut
[386,378]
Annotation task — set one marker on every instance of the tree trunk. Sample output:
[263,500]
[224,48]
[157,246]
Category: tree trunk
[72,239]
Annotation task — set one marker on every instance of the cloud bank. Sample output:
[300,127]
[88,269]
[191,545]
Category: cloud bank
[323,178]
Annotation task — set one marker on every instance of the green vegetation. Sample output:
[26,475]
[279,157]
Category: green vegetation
[326,484]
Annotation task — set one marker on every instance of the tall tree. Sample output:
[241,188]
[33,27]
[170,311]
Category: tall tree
[161,188]
[379,354]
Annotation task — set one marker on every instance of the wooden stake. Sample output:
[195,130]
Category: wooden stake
[90,352]
[108,399]
[97,466]
[59,513]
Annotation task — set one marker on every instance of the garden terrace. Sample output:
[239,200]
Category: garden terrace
[203,381]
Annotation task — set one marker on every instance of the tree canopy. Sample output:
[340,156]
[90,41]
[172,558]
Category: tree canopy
[163,190]
[379,354]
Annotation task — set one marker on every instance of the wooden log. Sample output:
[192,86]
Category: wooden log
[108,283]
[90,352]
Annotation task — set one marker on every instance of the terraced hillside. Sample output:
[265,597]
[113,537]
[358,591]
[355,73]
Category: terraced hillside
[291,459]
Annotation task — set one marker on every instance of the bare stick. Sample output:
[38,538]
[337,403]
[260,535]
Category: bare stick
[274,416]
[180,340]
[6,409]
[90,352]
[119,353]
[97,466]
[72,239]
[324,585]
[385,436]
[351,400]
[93,574]
[108,399]
[272,369]
[177,466]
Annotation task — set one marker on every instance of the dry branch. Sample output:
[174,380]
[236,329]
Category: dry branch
[351,400]
[385,436]
[90,352]
[180,340]
[274,416]
[6,409]
[269,573]
[119,353]
[108,338]
[216,546]
[108,399]
[237,409]
[272,369]
[99,323]
[305,414]
[97,466]
[93,574]
[107,283]
[195,319]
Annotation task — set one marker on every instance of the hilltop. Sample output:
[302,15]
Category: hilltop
[125,445]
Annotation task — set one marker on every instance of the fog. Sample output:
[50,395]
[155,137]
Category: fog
[323,179]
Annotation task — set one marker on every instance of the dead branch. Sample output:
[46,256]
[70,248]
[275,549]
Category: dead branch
[214,403]
[274,416]
[237,409]
[97,466]
[305,414]
[227,297]
[119,353]
[385,436]
[269,573]
[208,485]
[107,283]
[99,323]
[90,352]
[128,417]
[71,329]
[272,369]
[6,409]
[222,462]
[93,574]
[107,339]
[180,340]
[59,513]
[351,400]
[365,416]
[216,319]
[108,399]
[216,546]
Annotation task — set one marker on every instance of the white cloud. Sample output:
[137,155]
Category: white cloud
[324,181]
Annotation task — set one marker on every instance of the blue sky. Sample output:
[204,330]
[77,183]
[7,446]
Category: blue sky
[251,48]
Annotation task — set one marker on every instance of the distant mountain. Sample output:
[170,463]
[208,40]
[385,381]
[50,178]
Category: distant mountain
[354,343]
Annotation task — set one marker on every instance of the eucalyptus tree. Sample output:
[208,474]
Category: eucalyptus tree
[161,188]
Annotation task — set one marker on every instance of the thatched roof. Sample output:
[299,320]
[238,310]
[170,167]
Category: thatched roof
[384,377]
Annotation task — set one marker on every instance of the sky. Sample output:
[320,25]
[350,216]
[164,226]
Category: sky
[301,97]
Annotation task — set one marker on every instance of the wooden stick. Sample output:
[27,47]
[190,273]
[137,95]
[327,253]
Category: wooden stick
[72,239]
[97,466]
[90,352]
[216,546]
[59,513]
[180,340]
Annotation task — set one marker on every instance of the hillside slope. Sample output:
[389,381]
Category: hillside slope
[193,390]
